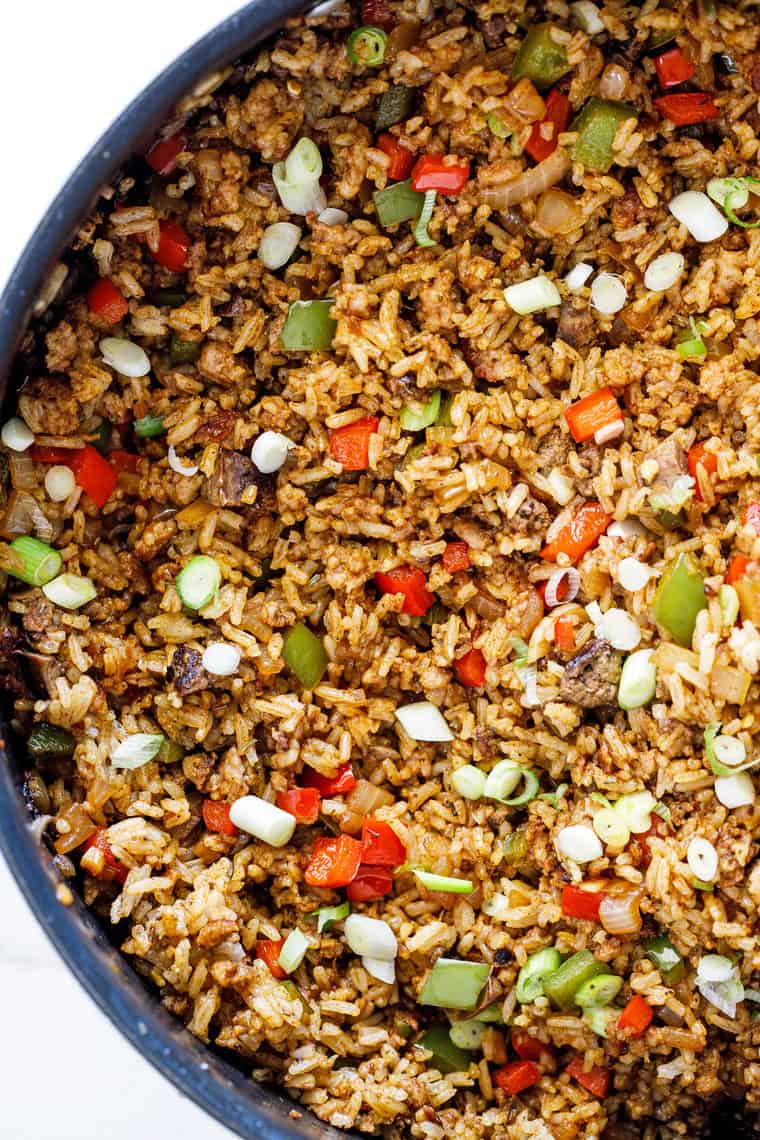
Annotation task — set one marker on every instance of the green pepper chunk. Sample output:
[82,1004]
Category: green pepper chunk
[103,439]
[394,105]
[679,598]
[183,351]
[446,1055]
[596,125]
[516,847]
[598,991]
[452,984]
[170,752]
[147,427]
[417,416]
[172,298]
[308,326]
[534,975]
[666,958]
[305,655]
[50,742]
[398,203]
[562,986]
[540,59]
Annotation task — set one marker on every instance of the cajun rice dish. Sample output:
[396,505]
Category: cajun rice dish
[381,565]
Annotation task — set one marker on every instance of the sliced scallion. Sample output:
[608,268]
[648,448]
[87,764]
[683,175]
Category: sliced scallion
[397,203]
[366,46]
[304,654]
[137,750]
[468,1034]
[468,782]
[598,991]
[421,235]
[529,792]
[600,1018]
[327,915]
[496,127]
[199,582]
[293,952]
[443,883]
[638,680]
[33,561]
[70,591]
[502,780]
[732,194]
[416,417]
[149,426]
[726,755]
[539,967]
[452,984]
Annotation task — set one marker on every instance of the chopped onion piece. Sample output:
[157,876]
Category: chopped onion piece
[579,843]
[137,750]
[619,914]
[177,465]
[701,217]
[370,937]
[572,583]
[469,782]
[723,995]
[586,16]
[714,968]
[423,721]
[333,217]
[638,680]
[15,435]
[59,482]
[608,293]
[126,357]
[702,859]
[662,273]
[620,629]
[578,276]
[379,968]
[293,952]
[633,575]
[532,295]
[561,488]
[278,244]
[221,658]
[609,432]
[270,451]
[626,528]
[70,591]
[735,791]
[263,820]
[297,179]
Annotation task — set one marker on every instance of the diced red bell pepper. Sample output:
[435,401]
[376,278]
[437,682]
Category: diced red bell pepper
[402,159]
[107,302]
[698,457]
[113,870]
[340,784]
[517,1076]
[579,903]
[93,474]
[334,861]
[687,107]
[582,532]
[564,634]
[162,156]
[737,568]
[349,445]
[595,1080]
[636,1017]
[432,173]
[597,410]
[216,816]
[543,138]
[412,583]
[471,669]
[381,847]
[173,244]
[456,557]
[370,883]
[751,517]
[123,461]
[673,68]
[62,455]
[268,950]
[529,1048]
[303,803]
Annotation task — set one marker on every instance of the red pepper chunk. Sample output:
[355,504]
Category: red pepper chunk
[431,173]
[737,568]
[673,68]
[268,951]
[107,302]
[577,903]
[340,784]
[162,156]
[593,412]
[61,455]
[303,803]
[334,861]
[123,461]
[542,141]
[529,1048]
[751,517]
[173,244]
[113,870]
[687,107]
[582,532]
[402,159]
[564,634]
[410,582]
[349,445]
[636,1017]
[698,457]
[370,883]
[216,816]
[471,669]
[456,557]
[381,847]
[517,1076]
[595,1080]
[93,474]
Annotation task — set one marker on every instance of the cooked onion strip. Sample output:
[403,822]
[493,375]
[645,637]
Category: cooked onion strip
[529,184]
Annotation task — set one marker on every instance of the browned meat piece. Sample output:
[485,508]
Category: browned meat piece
[186,671]
[232,474]
[43,670]
[154,539]
[219,363]
[49,408]
[591,676]
[671,463]
[38,615]
[576,326]
[554,449]
[62,347]
[11,677]
[268,121]
[491,364]
[494,30]
[531,518]
[750,69]
[215,427]
[629,210]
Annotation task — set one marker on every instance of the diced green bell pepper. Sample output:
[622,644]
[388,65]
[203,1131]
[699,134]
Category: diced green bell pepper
[562,986]
[452,984]
[596,125]
[416,417]
[183,351]
[50,742]
[540,58]
[679,598]
[398,203]
[446,1055]
[305,655]
[394,106]
[666,958]
[308,326]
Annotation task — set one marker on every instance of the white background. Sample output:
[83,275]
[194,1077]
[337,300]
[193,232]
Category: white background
[67,68]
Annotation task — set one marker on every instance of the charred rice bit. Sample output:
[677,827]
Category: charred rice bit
[390,472]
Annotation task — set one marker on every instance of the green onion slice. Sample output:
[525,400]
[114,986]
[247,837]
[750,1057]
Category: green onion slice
[308,326]
[599,1019]
[327,915]
[38,561]
[452,984]
[718,753]
[149,426]
[468,782]
[496,127]
[293,952]
[443,882]
[398,203]
[598,991]
[416,417]
[732,194]
[539,967]
[468,1034]
[366,46]
[199,582]
[70,591]
[554,797]
[492,1014]
[421,236]
[529,792]
[137,750]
